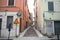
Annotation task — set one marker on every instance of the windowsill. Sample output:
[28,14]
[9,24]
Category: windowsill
[50,11]
[7,6]
[53,11]
[11,6]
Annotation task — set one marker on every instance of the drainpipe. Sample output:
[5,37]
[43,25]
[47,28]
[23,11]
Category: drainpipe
[23,12]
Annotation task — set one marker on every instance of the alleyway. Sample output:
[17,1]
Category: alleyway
[30,33]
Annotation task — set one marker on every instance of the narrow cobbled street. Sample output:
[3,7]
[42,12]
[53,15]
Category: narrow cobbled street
[30,33]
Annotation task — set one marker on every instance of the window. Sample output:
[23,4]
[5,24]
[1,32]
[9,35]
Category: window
[50,6]
[11,2]
[25,2]
[9,21]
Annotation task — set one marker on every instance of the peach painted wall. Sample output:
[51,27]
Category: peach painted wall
[18,5]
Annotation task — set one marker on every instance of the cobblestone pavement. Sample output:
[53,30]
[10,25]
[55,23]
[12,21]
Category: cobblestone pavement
[30,33]
[33,38]
[6,39]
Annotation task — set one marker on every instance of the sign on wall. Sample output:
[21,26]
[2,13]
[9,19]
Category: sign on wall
[16,21]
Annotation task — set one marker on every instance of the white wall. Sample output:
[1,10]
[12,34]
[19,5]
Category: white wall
[4,31]
[52,15]
[55,2]
[42,7]
[39,15]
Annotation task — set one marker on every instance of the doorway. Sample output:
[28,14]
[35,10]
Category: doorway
[49,27]
[9,20]
[0,26]
[57,27]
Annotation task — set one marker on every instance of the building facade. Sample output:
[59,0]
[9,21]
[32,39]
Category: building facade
[48,12]
[35,14]
[8,14]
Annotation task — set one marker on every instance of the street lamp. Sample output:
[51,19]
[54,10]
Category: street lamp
[6,12]
[18,14]
[9,26]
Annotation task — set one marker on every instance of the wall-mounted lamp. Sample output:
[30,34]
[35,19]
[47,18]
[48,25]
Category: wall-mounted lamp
[18,13]
[5,12]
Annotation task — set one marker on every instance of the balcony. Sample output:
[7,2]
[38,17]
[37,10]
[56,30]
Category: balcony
[52,15]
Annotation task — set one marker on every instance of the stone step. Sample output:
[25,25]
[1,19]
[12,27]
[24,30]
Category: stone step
[6,39]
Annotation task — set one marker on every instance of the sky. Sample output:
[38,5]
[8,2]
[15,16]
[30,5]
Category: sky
[31,7]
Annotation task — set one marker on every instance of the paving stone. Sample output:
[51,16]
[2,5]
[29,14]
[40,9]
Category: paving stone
[6,39]
[30,33]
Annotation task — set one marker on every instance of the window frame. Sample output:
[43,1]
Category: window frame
[25,2]
[11,5]
[52,5]
[7,22]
